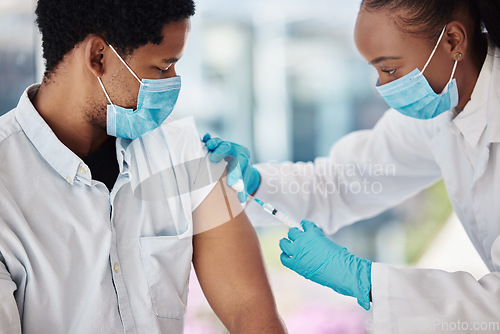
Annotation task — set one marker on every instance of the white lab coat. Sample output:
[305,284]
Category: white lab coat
[370,171]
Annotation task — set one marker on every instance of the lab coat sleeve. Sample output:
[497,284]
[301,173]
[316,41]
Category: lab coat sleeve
[9,314]
[423,301]
[365,173]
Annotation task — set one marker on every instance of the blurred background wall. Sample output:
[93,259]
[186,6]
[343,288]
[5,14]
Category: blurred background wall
[20,57]
[284,79]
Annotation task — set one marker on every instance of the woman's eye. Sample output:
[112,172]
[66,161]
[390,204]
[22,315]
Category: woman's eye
[390,72]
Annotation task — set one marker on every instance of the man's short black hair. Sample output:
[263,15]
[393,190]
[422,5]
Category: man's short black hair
[125,24]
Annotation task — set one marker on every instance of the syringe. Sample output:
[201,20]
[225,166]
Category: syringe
[240,187]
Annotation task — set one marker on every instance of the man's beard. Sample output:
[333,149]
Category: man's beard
[97,117]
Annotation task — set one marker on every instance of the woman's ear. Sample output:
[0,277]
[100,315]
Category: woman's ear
[456,40]
[94,54]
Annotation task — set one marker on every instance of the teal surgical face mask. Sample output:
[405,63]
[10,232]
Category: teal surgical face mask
[412,95]
[155,102]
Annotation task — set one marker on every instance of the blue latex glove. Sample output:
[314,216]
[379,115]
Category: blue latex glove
[311,254]
[239,164]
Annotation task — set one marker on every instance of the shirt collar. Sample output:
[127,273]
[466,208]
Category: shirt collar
[123,155]
[473,120]
[57,155]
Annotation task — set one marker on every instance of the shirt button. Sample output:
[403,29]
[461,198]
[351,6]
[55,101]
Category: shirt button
[68,179]
[116,267]
[82,171]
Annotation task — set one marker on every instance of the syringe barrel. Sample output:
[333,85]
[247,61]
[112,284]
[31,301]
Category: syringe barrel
[280,216]
[269,208]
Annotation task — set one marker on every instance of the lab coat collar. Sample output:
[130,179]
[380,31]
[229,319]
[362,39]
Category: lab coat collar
[57,155]
[473,120]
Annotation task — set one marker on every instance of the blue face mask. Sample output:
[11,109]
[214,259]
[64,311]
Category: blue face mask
[155,102]
[412,95]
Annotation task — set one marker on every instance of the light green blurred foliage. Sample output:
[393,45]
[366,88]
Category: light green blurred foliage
[269,238]
[422,227]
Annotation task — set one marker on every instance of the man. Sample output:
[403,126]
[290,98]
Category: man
[87,243]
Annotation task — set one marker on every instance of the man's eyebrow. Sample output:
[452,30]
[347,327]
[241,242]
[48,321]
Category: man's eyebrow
[170,60]
[380,59]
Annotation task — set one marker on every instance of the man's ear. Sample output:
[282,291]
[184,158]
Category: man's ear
[456,40]
[94,54]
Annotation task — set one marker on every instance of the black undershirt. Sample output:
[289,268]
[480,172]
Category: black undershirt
[103,163]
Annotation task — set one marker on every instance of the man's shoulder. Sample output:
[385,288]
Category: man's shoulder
[8,125]
[174,152]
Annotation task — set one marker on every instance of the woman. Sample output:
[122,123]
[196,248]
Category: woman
[440,74]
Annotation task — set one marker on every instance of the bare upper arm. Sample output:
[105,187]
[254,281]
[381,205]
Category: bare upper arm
[229,265]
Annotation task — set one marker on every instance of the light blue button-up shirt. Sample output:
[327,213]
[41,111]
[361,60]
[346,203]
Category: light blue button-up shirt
[75,258]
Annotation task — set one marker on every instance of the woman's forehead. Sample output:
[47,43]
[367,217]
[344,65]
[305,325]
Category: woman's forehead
[380,34]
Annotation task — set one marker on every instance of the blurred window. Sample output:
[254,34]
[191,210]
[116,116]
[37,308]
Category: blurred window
[19,51]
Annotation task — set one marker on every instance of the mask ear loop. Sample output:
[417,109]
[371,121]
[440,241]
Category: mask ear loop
[106,93]
[126,65]
[433,51]
[453,72]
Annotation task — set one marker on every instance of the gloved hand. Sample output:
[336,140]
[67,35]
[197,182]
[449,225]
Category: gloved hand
[311,254]
[239,164]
